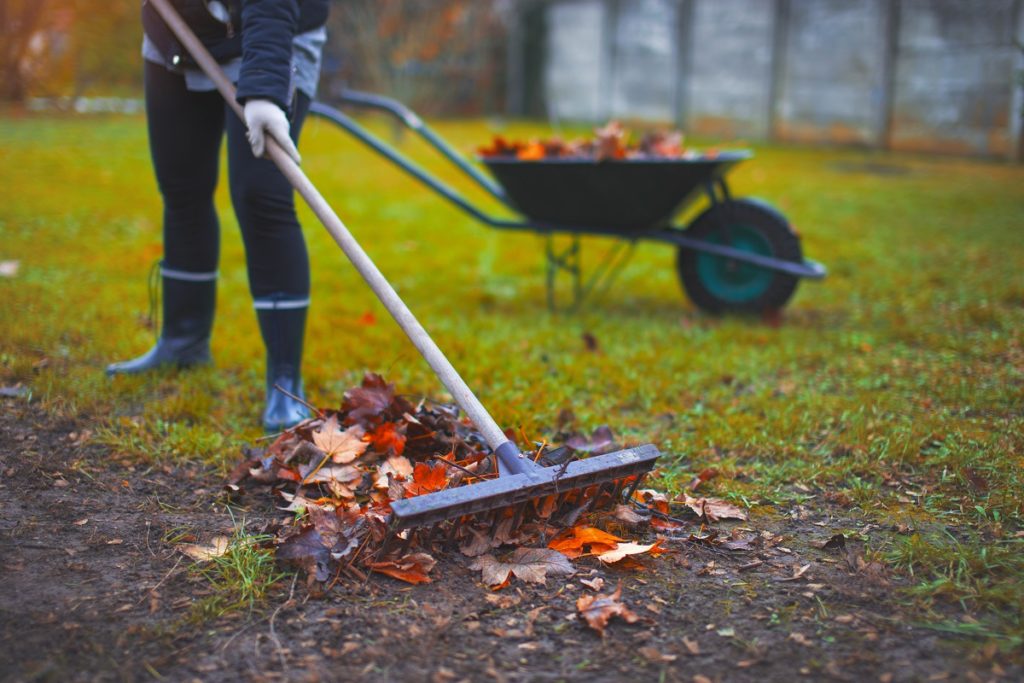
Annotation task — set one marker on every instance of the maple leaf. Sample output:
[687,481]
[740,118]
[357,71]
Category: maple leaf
[532,565]
[571,542]
[345,474]
[341,446]
[598,609]
[387,437]
[427,479]
[411,568]
[713,508]
[622,550]
[370,400]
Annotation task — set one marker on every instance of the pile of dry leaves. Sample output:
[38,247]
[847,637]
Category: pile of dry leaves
[611,142]
[339,472]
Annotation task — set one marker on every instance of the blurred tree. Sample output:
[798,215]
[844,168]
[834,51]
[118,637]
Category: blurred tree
[439,56]
[68,47]
[20,21]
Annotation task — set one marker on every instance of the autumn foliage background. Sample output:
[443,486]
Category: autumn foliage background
[439,56]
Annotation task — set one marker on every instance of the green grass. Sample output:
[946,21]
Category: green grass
[240,579]
[895,387]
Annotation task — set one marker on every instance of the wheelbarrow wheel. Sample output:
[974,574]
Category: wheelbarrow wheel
[719,284]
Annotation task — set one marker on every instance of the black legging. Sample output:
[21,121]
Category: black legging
[185,130]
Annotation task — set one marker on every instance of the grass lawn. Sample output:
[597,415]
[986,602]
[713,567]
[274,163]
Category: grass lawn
[894,388]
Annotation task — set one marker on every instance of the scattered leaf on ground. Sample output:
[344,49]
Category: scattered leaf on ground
[532,565]
[204,553]
[596,610]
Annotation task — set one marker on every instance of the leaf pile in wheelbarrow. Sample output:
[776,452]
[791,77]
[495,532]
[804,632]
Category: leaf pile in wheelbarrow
[340,471]
[611,142]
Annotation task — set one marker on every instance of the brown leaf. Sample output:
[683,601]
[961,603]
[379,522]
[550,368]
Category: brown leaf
[713,508]
[598,609]
[653,654]
[370,400]
[341,446]
[204,553]
[836,542]
[478,543]
[601,441]
[532,565]
[691,645]
[625,513]
[307,551]
[411,568]
[398,467]
[737,541]
[705,475]
[610,141]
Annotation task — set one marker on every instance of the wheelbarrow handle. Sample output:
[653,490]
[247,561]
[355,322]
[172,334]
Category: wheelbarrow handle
[444,370]
[414,123]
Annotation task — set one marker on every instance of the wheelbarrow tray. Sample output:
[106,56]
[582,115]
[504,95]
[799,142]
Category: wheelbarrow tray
[621,196]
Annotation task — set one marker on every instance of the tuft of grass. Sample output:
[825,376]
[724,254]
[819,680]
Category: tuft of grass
[240,579]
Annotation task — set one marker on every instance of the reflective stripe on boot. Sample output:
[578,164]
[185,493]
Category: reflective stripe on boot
[188,304]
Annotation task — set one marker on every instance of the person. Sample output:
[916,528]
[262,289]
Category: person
[272,50]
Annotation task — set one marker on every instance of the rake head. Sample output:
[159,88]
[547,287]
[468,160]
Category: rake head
[523,481]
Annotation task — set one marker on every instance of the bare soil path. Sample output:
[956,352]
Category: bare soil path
[93,588]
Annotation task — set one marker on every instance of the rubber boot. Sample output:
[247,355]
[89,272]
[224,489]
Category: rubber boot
[188,305]
[283,326]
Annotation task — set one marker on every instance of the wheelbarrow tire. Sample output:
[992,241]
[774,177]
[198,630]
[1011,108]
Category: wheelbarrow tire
[720,285]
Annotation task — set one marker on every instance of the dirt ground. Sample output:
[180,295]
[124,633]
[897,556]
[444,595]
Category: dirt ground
[94,589]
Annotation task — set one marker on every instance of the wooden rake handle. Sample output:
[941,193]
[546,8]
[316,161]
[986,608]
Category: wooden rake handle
[444,370]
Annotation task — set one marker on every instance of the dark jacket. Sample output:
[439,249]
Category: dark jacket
[260,31]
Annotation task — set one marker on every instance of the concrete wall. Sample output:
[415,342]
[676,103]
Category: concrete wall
[577,61]
[934,75]
[832,77]
[729,84]
[952,76]
[644,81]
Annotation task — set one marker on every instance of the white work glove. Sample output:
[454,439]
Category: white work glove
[263,117]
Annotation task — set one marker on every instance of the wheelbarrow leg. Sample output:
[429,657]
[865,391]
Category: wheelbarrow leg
[567,260]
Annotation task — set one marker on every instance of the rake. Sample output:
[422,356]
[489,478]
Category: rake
[600,479]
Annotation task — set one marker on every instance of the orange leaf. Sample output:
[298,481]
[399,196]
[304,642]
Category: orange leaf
[413,576]
[572,541]
[411,568]
[427,479]
[532,152]
[387,437]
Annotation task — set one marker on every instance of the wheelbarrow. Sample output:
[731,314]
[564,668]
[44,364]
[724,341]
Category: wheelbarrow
[738,255]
